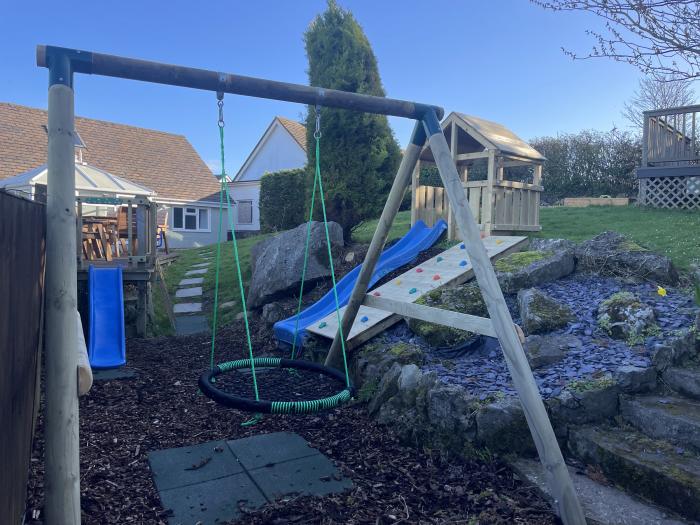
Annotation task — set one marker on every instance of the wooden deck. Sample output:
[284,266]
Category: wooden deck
[449,268]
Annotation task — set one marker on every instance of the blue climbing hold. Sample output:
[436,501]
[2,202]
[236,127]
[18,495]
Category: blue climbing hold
[322,325]
[462,263]
[439,259]
[412,290]
[462,247]
[364,319]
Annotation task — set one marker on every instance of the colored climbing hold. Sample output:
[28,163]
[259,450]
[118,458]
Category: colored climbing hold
[323,325]
[419,270]
[462,247]
[436,277]
[483,235]
[364,319]
[499,241]
[439,259]
[462,263]
[398,281]
[376,294]
[412,290]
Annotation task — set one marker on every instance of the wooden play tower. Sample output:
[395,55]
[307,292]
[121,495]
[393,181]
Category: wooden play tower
[500,173]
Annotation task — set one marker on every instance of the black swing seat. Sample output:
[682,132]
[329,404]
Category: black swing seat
[311,386]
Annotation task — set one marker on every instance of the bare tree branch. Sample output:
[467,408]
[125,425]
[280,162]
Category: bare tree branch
[660,37]
[657,94]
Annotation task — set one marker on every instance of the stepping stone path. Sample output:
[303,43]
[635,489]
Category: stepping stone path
[188,319]
[189,292]
[227,304]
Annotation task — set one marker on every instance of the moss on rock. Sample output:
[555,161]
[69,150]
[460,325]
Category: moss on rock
[519,260]
[465,299]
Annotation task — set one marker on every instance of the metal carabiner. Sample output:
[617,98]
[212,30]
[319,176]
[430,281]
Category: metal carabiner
[220,103]
[317,132]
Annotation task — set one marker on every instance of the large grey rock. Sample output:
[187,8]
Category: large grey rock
[584,401]
[374,360]
[544,350]
[272,312]
[635,379]
[466,299]
[624,316]
[540,313]
[676,351]
[611,253]
[388,388]
[552,245]
[501,427]
[277,262]
[685,381]
[532,268]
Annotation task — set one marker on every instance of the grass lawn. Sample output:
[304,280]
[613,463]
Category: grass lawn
[674,233]
[228,278]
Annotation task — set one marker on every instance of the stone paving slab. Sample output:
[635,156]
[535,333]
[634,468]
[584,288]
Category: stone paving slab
[227,304]
[199,271]
[258,451]
[190,282]
[178,467]
[187,308]
[212,502]
[189,292]
[191,324]
[315,475]
[197,490]
[201,265]
[113,373]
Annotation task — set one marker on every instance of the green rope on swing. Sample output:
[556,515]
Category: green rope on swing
[225,192]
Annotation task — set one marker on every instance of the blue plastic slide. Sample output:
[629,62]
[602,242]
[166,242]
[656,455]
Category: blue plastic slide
[107,344]
[418,239]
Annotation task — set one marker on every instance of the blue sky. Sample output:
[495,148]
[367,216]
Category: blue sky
[498,59]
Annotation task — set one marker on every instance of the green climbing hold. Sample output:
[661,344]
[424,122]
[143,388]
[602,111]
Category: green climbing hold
[439,259]
[323,325]
[412,290]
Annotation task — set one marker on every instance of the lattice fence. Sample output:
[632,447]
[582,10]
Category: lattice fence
[670,192]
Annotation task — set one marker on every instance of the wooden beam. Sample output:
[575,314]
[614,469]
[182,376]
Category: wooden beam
[415,182]
[555,469]
[472,323]
[471,156]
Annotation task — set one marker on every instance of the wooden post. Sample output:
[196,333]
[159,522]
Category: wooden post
[415,182]
[79,236]
[487,203]
[391,208]
[453,148]
[537,175]
[129,229]
[152,233]
[62,475]
[555,469]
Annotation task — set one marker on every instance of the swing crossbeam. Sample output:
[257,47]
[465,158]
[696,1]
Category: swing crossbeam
[63,62]
[62,467]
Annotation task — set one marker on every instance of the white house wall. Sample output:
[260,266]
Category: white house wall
[247,191]
[278,151]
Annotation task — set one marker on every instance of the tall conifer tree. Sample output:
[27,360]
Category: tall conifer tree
[359,154]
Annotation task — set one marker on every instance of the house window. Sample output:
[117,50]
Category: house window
[191,219]
[245,212]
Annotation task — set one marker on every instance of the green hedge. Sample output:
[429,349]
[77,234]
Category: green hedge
[282,196]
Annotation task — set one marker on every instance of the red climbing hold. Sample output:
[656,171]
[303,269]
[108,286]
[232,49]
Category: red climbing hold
[436,277]
[376,294]
[419,270]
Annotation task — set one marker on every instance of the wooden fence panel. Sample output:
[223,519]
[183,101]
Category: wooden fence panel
[22,237]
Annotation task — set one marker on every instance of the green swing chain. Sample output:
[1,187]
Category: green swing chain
[225,191]
[318,180]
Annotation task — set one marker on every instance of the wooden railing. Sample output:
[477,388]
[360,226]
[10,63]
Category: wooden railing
[514,205]
[671,137]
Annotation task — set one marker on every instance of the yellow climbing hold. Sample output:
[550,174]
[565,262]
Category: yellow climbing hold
[661,291]
[397,281]
[499,241]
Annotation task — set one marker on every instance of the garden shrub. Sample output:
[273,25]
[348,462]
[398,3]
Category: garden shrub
[282,195]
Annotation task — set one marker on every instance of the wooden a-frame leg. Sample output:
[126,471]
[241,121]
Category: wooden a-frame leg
[391,208]
[550,455]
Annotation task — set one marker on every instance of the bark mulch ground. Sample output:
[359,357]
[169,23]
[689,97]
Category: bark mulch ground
[122,420]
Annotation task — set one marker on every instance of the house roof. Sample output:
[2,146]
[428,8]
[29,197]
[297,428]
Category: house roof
[89,182]
[164,162]
[296,129]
